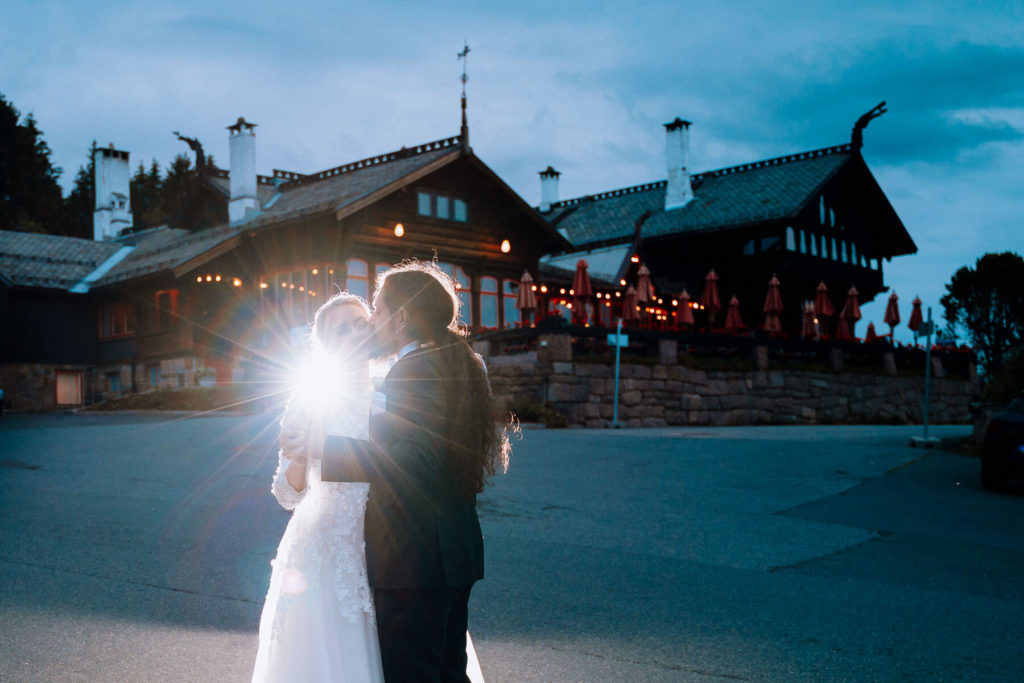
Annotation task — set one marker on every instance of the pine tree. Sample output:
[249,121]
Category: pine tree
[30,198]
[80,203]
[146,199]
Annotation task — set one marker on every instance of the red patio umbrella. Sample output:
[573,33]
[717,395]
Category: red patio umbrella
[733,321]
[526,299]
[629,302]
[581,292]
[870,337]
[892,314]
[709,298]
[644,288]
[810,326]
[916,317]
[773,307]
[850,314]
[684,315]
[823,306]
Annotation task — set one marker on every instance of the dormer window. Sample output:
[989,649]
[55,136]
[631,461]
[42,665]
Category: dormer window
[440,206]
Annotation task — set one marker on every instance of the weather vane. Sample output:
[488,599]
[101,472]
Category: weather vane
[464,56]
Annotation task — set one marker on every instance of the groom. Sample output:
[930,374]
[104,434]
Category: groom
[428,456]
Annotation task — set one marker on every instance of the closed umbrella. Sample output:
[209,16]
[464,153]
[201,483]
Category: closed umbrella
[810,326]
[581,292]
[823,306]
[850,314]
[684,316]
[892,314]
[644,288]
[871,337]
[629,312]
[709,298]
[526,300]
[773,306]
[916,318]
[733,321]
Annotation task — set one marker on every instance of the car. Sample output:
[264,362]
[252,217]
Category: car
[1002,450]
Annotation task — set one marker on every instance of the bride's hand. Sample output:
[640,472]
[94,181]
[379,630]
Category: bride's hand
[293,443]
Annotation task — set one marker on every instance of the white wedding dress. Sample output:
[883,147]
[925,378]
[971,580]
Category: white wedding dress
[318,622]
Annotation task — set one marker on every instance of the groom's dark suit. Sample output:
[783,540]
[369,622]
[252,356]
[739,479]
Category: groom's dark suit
[424,548]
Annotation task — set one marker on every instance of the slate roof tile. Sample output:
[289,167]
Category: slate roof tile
[52,261]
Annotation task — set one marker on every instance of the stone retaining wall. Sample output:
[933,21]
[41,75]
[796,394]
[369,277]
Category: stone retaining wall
[662,395]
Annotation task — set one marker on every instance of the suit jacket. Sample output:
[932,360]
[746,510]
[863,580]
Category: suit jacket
[421,531]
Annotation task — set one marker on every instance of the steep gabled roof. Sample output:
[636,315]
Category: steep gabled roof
[764,190]
[340,190]
[50,261]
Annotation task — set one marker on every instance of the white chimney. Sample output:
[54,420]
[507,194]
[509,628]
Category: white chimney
[243,170]
[677,155]
[113,211]
[548,188]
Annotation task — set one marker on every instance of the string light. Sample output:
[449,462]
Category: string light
[217,278]
[199,278]
[505,247]
[543,289]
[209,278]
[635,259]
[316,271]
[622,282]
[572,292]
[533,287]
[263,285]
[562,290]
[236,282]
[399,229]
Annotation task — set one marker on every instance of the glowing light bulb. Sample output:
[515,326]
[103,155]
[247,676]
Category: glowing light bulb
[622,282]
[217,278]
[399,229]
[534,288]
[543,289]
[199,278]
[236,282]
[505,247]
[316,271]
[572,292]
[209,278]
[635,259]
[263,285]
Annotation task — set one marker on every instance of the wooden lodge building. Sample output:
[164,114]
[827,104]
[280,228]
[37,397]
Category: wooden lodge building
[807,217]
[225,293]
[167,307]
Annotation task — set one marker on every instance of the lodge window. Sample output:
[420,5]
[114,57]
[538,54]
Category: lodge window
[814,244]
[488,302]
[166,308]
[853,253]
[154,376]
[440,206]
[510,294]
[114,382]
[358,278]
[462,286]
[294,296]
[790,239]
[748,248]
[768,243]
[116,320]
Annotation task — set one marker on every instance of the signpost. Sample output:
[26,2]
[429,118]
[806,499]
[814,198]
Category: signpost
[928,329]
[618,340]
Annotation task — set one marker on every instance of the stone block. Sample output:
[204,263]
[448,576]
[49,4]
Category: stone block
[562,368]
[668,351]
[659,372]
[630,398]
[761,357]
[554,347]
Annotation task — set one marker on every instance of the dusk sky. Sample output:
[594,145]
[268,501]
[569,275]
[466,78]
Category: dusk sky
[583,86]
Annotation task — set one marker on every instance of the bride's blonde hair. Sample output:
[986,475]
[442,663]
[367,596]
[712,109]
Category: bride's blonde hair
[340,299]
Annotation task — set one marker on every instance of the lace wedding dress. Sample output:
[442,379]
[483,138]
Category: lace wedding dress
[318,622]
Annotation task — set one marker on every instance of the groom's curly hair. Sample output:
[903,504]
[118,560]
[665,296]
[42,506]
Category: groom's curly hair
[478,446]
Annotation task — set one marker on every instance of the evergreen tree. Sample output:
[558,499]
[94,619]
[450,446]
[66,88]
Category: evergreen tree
[146,196]
[178,185]
[30,198]
[80,203]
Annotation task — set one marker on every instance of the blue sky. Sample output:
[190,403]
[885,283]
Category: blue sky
[584,86]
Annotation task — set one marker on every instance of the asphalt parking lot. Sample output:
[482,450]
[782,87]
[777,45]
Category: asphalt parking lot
[137,547]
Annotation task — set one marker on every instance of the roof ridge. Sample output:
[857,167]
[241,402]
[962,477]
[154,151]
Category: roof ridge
[728,170]
[376,160]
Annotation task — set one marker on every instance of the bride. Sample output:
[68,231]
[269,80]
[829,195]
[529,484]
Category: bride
[318,621]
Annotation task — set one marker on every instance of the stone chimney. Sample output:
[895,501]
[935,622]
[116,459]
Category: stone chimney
[243,170]
[113,212]
[677,155]
[548,188]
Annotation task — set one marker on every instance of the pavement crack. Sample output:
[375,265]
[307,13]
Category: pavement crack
[670,667]
[875,535]
[131,582]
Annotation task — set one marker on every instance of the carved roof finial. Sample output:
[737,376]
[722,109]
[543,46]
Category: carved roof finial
[857,138]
